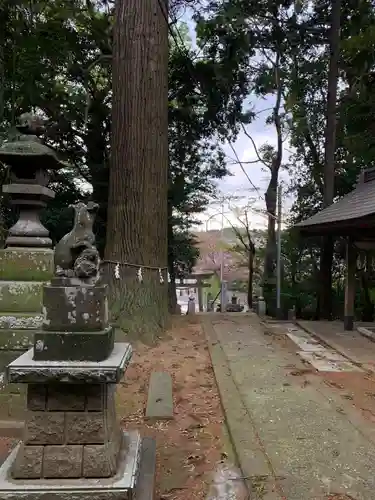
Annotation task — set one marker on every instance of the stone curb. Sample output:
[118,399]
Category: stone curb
[251,459]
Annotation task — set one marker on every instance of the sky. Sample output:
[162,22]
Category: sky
[238,184]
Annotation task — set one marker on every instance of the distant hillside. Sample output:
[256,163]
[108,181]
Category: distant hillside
[213,247]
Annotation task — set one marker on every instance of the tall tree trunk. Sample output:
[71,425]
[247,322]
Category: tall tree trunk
[137,201]
[329,161]
[269,276]
[269,287]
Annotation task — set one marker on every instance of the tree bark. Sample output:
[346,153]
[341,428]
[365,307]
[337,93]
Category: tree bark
[269,277]
[329,163]
[269,281]
[137,201]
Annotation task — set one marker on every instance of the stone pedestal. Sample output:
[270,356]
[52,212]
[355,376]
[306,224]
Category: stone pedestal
[73,445]
[23,273]
[71,430]
[27,262]
[75,324]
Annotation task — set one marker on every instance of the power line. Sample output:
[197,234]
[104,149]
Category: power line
[244,171]
[164,10]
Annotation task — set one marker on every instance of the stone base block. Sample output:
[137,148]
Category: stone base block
[75,308]
[26,264]
[73,346]
[21,296]
[136,465]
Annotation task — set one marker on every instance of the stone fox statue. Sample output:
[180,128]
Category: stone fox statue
[76,254]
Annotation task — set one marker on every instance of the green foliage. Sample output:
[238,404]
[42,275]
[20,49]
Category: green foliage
[56,61]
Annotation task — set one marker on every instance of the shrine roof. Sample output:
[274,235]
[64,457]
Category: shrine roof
[359,204]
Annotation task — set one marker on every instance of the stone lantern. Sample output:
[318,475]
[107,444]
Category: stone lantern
[30,165]
[27,261]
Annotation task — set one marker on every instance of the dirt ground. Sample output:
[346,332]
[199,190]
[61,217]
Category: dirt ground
[6,445]
[189,447]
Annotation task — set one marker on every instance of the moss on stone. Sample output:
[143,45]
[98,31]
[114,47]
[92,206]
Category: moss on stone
[21,296]
[20,321]
[17,340]
[26,264]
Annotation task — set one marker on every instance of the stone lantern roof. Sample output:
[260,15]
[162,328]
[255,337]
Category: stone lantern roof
[28,151]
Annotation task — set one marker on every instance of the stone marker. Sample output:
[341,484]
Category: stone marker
[191,306]
[73,445]
[210,304]
[160,399]
[27,261]
[261,305]
[292,314]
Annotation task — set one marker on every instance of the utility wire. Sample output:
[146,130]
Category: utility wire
[244,171]
[184,52]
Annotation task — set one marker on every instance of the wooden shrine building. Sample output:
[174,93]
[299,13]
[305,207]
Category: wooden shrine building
[352,217]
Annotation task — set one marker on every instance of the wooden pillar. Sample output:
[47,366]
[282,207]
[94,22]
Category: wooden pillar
[200,295]
[351,264]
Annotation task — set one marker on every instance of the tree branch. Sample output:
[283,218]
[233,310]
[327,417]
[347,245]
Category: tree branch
[265,163]
[242,167]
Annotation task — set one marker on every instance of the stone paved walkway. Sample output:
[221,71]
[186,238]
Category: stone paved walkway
[293,442]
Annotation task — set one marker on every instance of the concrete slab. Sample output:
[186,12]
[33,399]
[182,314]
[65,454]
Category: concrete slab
[323,364]
[331,355]
[160,397]
[353,345]
[367,332]
[321,358]
[306,344]
[310,444]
